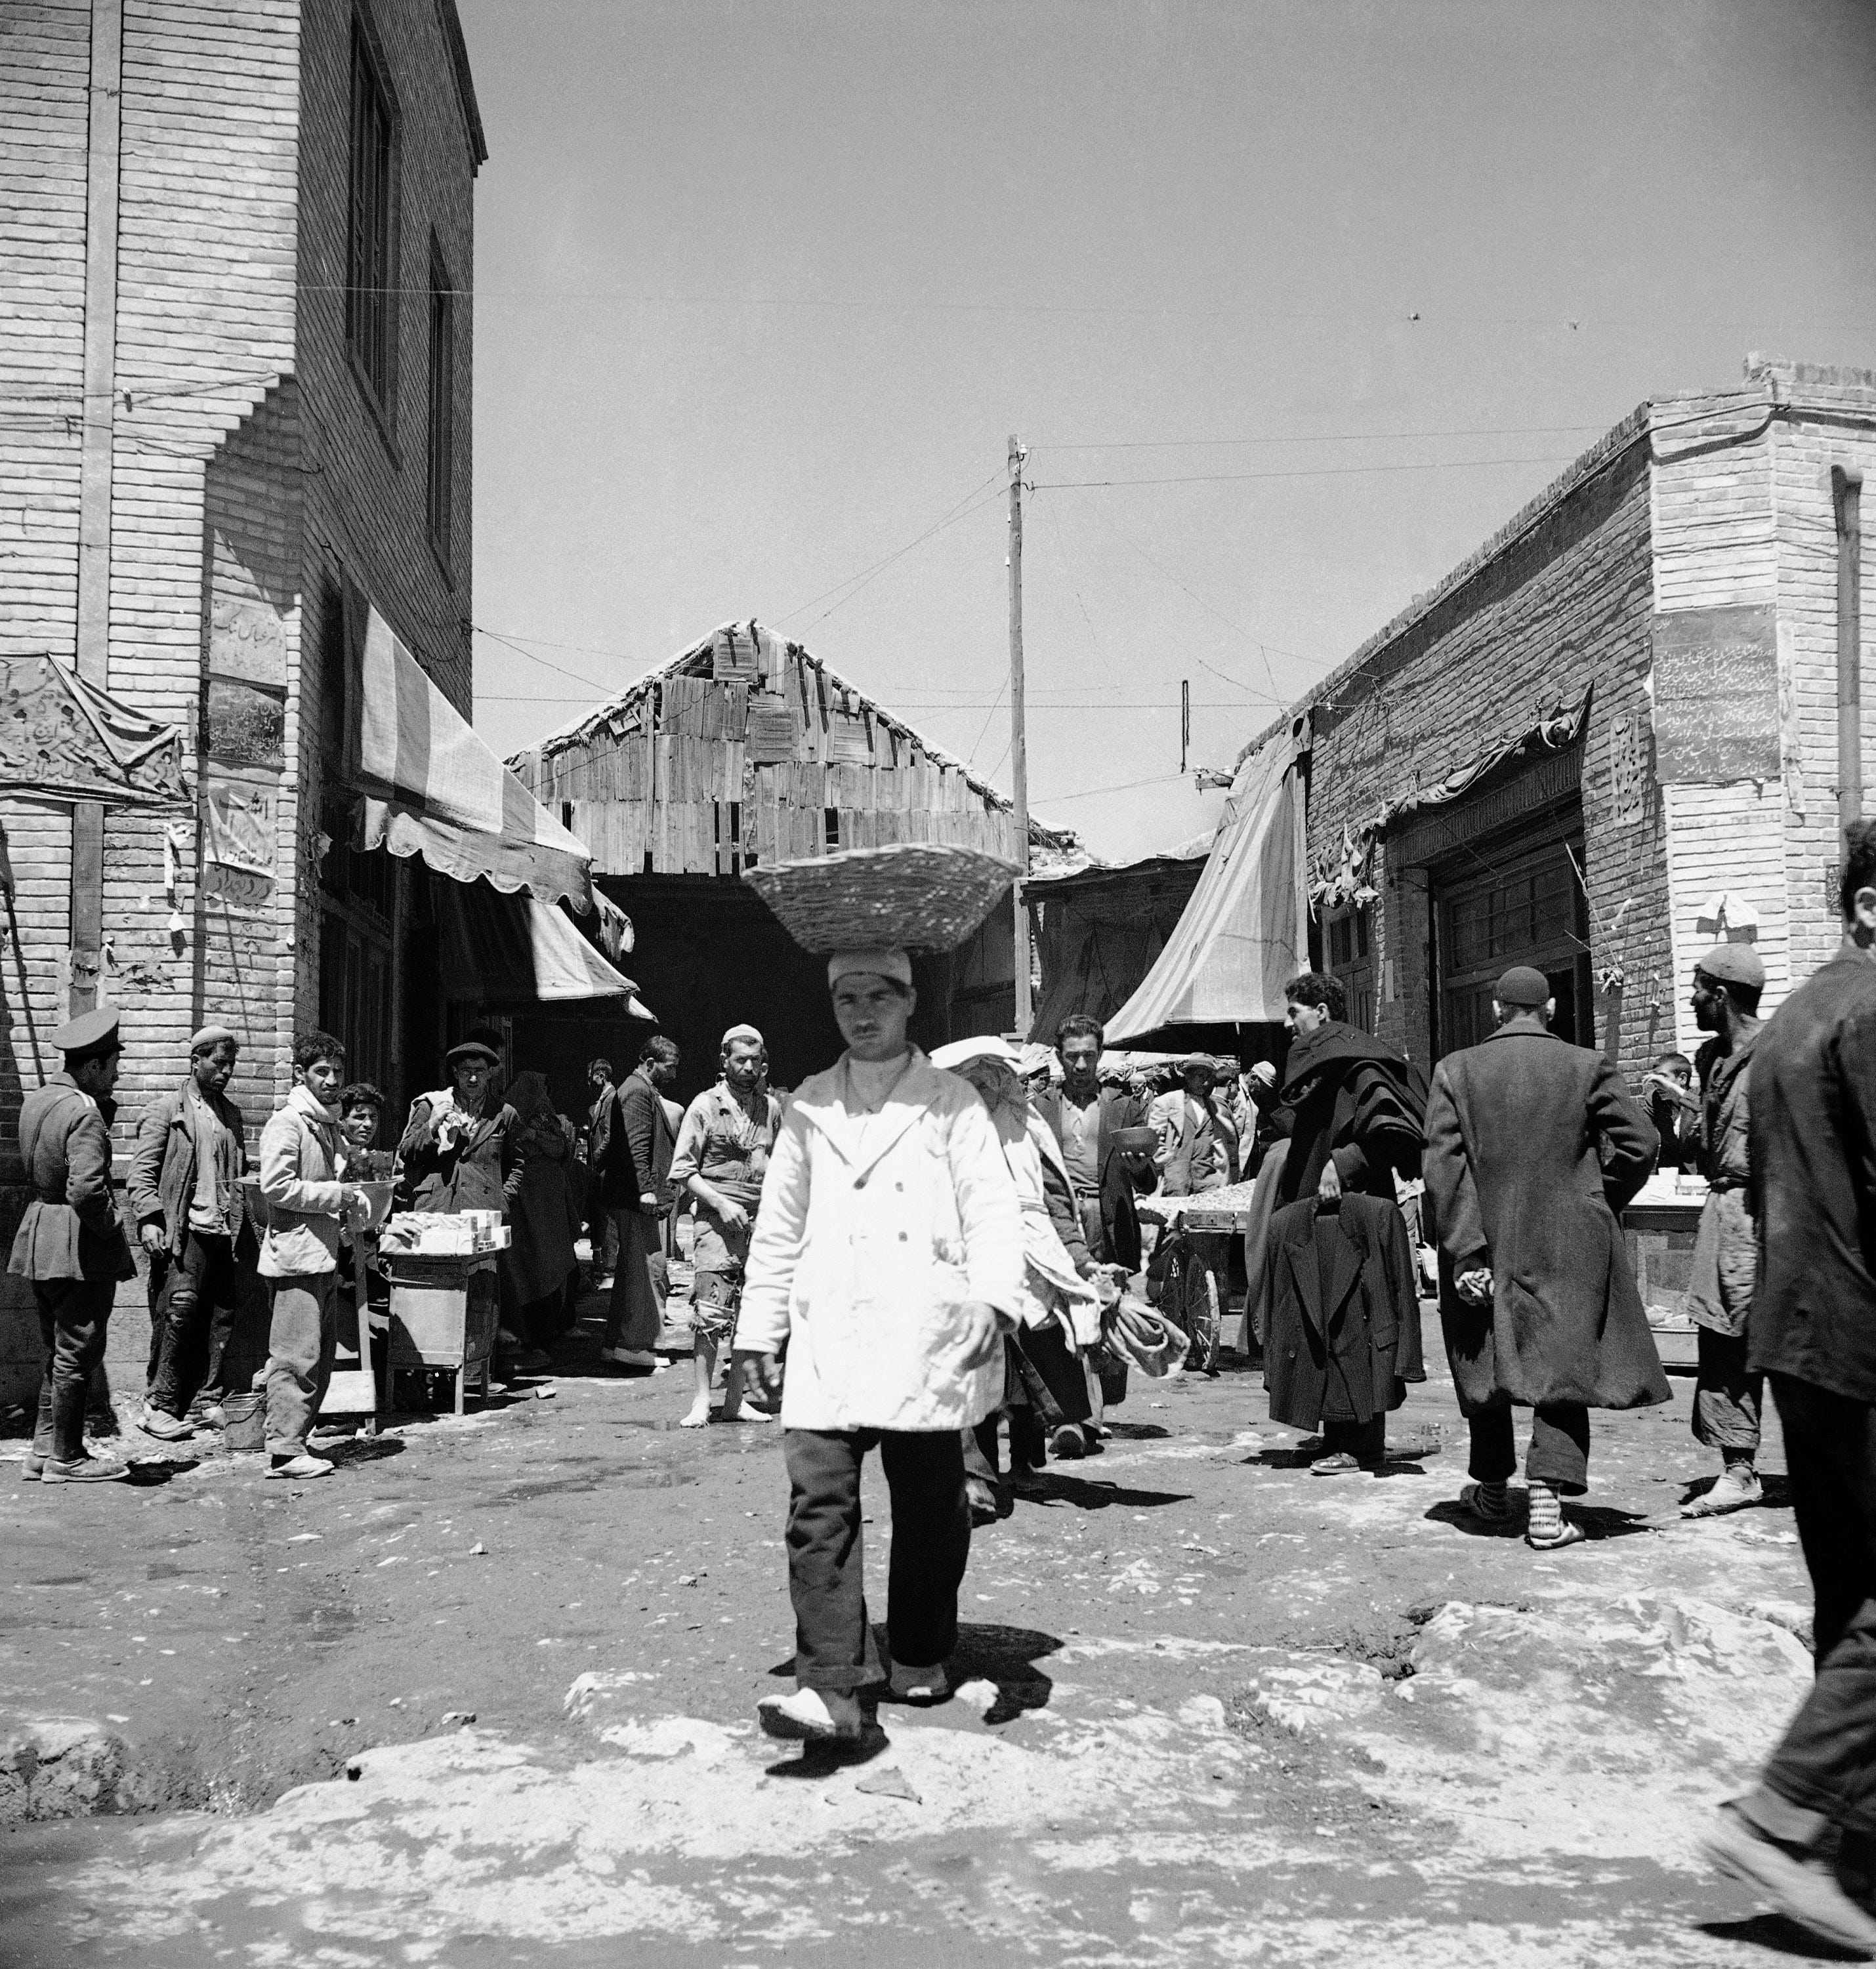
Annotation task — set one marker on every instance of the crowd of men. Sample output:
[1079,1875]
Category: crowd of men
[908,1251]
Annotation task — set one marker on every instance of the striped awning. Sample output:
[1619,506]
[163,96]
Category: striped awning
[433,788]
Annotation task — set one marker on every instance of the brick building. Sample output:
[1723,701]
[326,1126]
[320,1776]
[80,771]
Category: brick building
[235,417]
[1609,732]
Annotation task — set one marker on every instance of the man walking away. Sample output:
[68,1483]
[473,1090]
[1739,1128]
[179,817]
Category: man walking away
[635,1316]
[184,1192]
[1533,1146]
[70,1243]
[1727,983]
[1813,1331]
[299,1255]
[888,1257]
[724,1144]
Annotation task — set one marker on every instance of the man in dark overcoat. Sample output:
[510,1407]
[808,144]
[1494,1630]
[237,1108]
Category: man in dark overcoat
[1533,1146]
[1813,1332]
[70,1243]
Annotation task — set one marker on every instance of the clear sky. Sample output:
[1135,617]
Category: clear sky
[764,287]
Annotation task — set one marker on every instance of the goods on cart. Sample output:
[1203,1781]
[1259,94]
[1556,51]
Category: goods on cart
[461,1233]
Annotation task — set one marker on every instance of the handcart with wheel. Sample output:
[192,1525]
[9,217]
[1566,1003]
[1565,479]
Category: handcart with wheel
[1196,1282]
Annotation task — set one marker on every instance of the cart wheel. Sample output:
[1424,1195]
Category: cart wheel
[1204,1319]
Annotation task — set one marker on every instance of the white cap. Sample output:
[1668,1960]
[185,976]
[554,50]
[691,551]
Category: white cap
[874,963]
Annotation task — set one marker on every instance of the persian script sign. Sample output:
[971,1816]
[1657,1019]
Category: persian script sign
[1716,696]
[247,639]
[66,739]
[247,726]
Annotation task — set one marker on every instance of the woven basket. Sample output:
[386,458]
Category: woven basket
[916,895]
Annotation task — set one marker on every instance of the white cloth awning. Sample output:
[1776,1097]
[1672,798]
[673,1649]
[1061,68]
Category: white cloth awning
[501,950]
[434,789]
[1245,932]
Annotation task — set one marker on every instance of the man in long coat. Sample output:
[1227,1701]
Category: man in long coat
[1533,1146]
[70,1243]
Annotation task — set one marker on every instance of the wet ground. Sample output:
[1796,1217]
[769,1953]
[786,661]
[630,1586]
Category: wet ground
[485,1696]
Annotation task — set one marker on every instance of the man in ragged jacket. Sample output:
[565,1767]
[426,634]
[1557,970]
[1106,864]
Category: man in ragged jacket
[190,1156]
[70,1243]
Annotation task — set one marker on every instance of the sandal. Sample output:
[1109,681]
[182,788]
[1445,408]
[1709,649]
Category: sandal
[1566,1534]
[1338,1464]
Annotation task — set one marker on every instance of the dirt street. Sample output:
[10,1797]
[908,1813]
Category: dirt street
[1217,1710]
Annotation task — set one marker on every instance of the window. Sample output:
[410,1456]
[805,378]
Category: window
[1348,948]
[441,458]
[830,825]
[1525,910]
[370,302]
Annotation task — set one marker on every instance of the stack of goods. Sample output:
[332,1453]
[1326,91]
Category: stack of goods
[462,1234]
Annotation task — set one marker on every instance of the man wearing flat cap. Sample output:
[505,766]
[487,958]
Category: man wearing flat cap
[184,1194]
[724,1143]
[1727,984]
[460,1149]
[70,1244]
[888,1260]
[1532,1146]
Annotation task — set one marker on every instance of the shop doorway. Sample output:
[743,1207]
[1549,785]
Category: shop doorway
[1492,910]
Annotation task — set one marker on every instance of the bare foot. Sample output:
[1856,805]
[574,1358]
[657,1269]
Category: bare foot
[697,1418]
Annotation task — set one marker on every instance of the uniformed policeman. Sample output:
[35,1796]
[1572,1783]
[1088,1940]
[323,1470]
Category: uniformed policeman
[70,1243]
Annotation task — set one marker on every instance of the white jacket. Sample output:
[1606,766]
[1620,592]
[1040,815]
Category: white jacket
[862,1255]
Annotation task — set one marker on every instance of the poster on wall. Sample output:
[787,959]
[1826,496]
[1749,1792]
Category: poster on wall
[1716,696]
[239,831]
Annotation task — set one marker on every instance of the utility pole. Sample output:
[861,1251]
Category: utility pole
[1846,487]
[1019,749]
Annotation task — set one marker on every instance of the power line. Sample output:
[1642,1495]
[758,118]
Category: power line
[1310,437]
[605,689]
[1091,792]
[1298,471]
[855,582]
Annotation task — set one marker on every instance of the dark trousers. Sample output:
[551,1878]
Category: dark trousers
[1559,1447]
[931,1542]
[1726,1397]
[195,1314]
[1826,1767]
[74,1314]
[1056,1384]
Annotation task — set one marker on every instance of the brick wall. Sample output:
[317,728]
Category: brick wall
[1558,601]
[246,469]
[1830,424]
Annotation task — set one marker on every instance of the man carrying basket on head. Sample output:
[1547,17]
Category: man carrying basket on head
[887,1260]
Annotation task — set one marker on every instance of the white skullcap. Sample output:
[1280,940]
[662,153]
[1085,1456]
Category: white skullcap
[954,1056]
[741,1032]
[894,964]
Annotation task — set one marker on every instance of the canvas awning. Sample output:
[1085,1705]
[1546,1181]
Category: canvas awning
[1245,932]
[433,788]
[501,950]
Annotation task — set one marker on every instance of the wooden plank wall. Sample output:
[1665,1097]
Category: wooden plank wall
[682,775]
